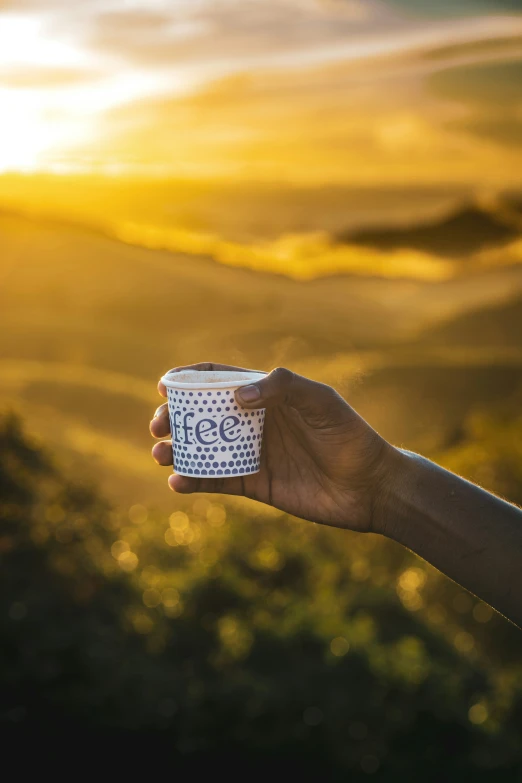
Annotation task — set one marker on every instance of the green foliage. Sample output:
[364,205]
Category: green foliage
[234,632]
[490,453]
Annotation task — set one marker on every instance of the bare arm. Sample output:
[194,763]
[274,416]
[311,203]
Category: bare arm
[321,461]
[467,533]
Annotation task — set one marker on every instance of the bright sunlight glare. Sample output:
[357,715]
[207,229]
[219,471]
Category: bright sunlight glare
[22,42]
[41,123]
[23,134]
[28,129]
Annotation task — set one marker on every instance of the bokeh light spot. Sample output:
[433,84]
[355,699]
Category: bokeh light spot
[151,598]
[216,515]
[54,514]
[128,561]
[138,514]
[179,520]
[339,646]
[482,613]
[170,537]
[464,642]
[478,714]
[118,548]
[170,597]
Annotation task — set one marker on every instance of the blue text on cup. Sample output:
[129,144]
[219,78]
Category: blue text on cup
[206,431]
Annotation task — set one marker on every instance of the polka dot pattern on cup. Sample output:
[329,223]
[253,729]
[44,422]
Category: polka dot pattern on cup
[212,435]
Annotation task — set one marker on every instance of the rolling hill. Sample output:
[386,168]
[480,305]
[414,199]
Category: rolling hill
[460,233]
[499,326]
[87,324]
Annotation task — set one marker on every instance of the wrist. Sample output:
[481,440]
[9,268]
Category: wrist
[395,467]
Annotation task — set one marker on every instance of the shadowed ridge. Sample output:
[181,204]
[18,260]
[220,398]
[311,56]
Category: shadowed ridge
[462,232]
[498,325]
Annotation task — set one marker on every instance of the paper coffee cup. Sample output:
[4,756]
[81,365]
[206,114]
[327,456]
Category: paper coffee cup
[211,434]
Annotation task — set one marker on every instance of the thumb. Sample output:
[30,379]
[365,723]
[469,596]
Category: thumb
[314,401]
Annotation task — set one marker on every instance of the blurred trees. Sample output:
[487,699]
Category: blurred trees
[237,634]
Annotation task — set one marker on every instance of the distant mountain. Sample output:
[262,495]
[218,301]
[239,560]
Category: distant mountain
[424,404]
[514,202]
[498,326]
[81,344]
[458,234]
[444,8]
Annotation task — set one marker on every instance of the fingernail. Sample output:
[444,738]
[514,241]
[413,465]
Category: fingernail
[249,393]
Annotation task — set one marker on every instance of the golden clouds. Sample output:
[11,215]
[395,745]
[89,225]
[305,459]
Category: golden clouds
[376,122]
[23,77]
[295,90]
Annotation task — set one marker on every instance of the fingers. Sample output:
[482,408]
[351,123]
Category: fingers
[160,425]
[162,452]
[234,485]
[186,485]
[201,367]
[314,401]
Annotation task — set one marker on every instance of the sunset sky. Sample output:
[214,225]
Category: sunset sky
[302,90]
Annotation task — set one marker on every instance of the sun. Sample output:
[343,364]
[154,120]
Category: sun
[29,130]
[32,134]
[45,123]
[25,136]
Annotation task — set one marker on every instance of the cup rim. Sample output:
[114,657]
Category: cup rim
[241,378]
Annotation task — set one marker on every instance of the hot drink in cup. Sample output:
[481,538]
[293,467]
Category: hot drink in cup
[212,435]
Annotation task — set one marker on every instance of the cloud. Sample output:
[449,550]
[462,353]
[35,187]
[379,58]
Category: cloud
[445,8]
[491,83]
[342,123]
[45,6]
[224,36]
[228,31]
[215,37]
[501,47]
[505,130]
[313,89]
[31,78]
[491,96]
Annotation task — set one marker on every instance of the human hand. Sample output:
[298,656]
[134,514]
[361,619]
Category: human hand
[319,459]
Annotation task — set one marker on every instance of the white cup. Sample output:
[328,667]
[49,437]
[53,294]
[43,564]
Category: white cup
[211,434]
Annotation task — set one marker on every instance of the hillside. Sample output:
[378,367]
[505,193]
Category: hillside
[498,326]
[470,362]
[460,233]
[87,324]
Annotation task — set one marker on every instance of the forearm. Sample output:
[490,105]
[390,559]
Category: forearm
[473,537]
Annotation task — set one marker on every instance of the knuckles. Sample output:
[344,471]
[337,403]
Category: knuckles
[281,377]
